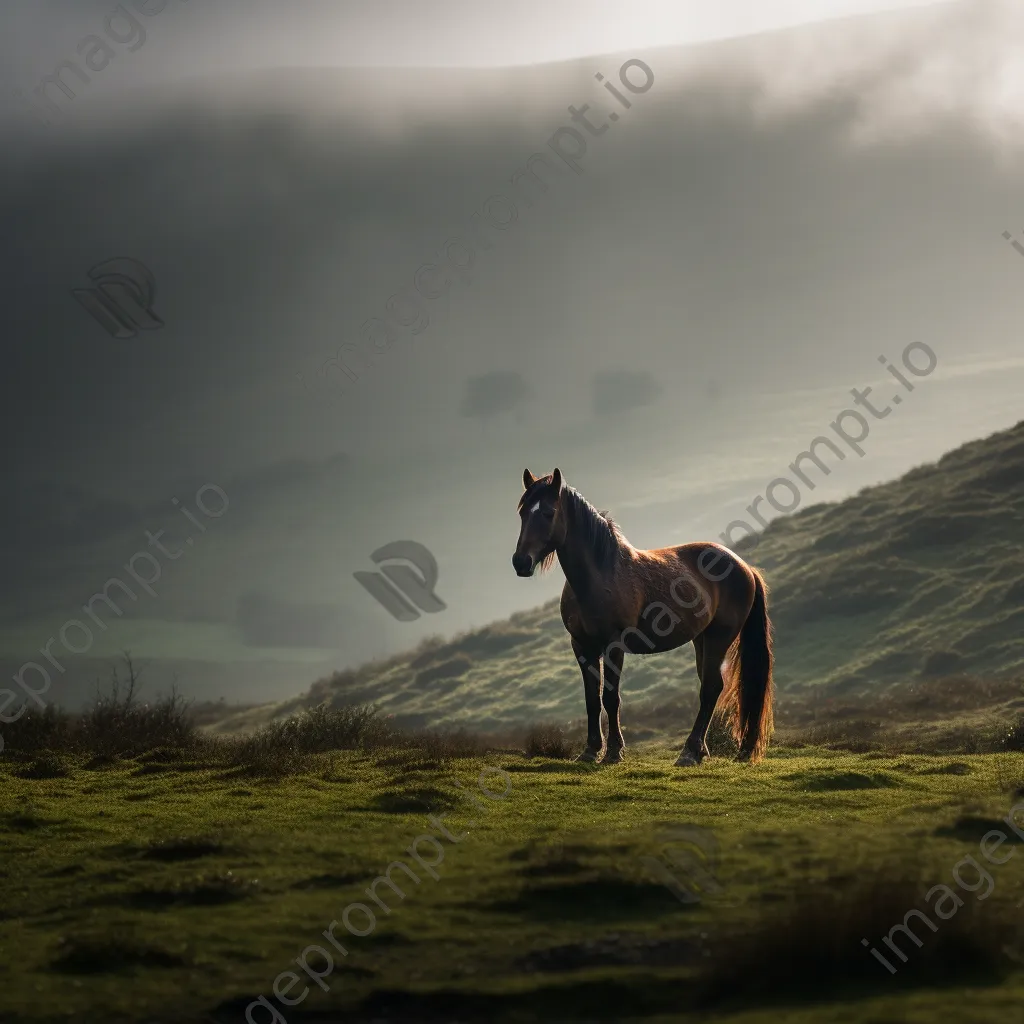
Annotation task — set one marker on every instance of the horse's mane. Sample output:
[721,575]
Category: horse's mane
[598,531]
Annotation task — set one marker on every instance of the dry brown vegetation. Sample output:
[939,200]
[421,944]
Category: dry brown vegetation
[165,732]
[949,715]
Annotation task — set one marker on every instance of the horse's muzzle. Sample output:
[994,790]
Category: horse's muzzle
[523,564]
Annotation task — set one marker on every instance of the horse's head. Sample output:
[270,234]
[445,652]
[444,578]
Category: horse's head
[543,528]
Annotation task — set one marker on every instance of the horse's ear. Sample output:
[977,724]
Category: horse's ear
[556,480]
[528,479]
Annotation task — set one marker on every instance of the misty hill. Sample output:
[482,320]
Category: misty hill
[911,580]
[751,233]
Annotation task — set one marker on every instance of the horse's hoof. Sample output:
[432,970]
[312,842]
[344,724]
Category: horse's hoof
[743,757]
[687,759]
[588,755]
[613,756]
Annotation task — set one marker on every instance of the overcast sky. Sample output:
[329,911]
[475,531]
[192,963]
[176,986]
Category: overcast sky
[671,325]
[203,37]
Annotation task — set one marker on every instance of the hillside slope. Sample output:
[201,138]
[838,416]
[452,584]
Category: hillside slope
[918,578]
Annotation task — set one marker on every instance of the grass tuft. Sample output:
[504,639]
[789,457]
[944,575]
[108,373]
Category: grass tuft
[48,765]
[85,956]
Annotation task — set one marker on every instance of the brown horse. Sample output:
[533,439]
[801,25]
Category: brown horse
[611,588]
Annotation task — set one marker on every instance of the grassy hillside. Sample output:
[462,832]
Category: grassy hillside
[912,581]
[171,888]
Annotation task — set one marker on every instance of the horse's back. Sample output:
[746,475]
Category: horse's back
[692,584]
[722,575]
[711,561]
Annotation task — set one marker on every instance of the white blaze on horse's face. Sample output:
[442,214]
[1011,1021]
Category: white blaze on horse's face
[535,534]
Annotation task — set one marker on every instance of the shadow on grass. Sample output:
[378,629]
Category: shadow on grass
[327,881]
[823,781]
[574,767]
[204,891]
[27,820]
[593,899]
[953,768]
[424,800]
[106,956]
[614,951]
[591,1000]
[183,848]
[973,829]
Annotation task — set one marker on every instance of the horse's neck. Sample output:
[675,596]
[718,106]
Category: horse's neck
[578,565]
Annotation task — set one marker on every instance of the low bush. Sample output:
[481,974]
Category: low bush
[47,765]
[548,741]
[116,725]
[1014,738]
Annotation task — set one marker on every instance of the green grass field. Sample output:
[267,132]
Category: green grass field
[163,889]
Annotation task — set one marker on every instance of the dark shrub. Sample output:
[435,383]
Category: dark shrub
[1014,738]
[285,746]
[548,741]
[116,725]
[49,729]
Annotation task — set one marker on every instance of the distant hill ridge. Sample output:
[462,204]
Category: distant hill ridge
[916,578]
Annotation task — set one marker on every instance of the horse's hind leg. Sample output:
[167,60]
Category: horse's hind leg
[711,648]
[610,696]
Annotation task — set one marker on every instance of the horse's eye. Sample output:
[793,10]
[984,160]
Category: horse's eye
[548,513]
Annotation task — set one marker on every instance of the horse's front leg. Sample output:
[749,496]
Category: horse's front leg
[613,658]
[590,666]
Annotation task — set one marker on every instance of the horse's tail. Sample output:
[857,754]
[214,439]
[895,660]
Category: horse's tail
[751,687]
